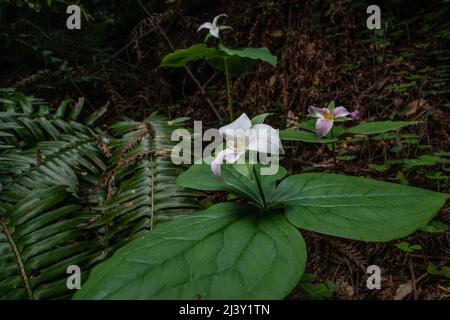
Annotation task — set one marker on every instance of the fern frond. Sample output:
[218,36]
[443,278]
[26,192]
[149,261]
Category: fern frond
[40,236]
[45,178]
[141,180]
[54,209]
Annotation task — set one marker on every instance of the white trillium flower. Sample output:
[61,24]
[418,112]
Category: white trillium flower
[213,27]
[241,136]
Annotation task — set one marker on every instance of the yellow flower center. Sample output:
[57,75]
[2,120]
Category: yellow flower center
[238,144]
[328,116]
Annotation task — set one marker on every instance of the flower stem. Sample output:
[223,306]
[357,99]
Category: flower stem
[261,191]
[228,80]
[333,148]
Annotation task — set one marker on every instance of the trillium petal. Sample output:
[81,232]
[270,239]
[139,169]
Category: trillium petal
[340,112]
[242,123]
[265,139]
[323,126]
[207,25]
[214,31]
[320,113]
[227,155]
[216,19]
[355,114]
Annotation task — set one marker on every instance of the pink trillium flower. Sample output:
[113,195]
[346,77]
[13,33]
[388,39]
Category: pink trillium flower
[241,136]
[325,118]
[355,114]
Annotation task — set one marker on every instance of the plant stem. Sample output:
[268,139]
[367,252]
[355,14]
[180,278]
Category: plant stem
[333,147]
[261,191]
[228,80]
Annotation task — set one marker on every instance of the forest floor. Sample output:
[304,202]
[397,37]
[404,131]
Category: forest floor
[324,53]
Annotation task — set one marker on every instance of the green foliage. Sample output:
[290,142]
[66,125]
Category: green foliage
[376,127]
[260,118]
[356,208]
[435,226]
[304,136]
[408,248]
[63,202]
[229,250]
[315,291]
[435,271]
[238,61]
[370,128]
[219,253]
[425,160]
[200,177]
[45,175]
[262,54]
[141,180]
[182,57]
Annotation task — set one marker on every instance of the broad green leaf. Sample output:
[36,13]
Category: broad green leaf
[200,177]
[181,57]
[377,127]
[262,54]
[305,136]
[356,208]
[308,125]
[236,65]
[230,251]
[259,119]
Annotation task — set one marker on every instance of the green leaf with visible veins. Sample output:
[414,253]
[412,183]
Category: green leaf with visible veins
[181,57]
[356,208]
[376,127]
[230,251]
[262,54]
[305,136]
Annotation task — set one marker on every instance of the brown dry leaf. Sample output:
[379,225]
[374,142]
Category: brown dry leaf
[291,120]
[129,204]
[310,50]
[398,101]
[272,80]
[277,33]
[347,290]
[413,106]
[403,290]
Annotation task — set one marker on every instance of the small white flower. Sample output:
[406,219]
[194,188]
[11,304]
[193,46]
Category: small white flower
[213,27]
[241,136]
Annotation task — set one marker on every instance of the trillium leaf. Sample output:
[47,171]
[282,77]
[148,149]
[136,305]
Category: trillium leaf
[181,57]
[356,208]
[230,251]
[236,65]
[200,177]
[262,54]
[377,127]
[259,119]
[305,136]
[308,125]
